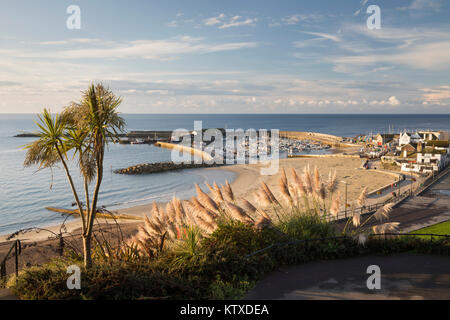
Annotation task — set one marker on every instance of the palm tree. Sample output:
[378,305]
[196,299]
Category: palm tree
[51,148]
[94,120]
[85,128]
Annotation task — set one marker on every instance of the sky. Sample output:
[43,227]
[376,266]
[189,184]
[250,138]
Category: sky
[217,56]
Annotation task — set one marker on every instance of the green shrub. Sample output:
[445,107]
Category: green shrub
[220,290]
[223,268]
[303,226]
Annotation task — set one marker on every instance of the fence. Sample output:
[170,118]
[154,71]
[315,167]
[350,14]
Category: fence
[431,180]
[17,248]
[345,214]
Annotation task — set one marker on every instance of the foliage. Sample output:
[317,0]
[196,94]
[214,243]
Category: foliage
[213,248]
[307,227]
[83,127]
[226,270]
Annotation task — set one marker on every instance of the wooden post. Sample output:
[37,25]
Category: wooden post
[16,251]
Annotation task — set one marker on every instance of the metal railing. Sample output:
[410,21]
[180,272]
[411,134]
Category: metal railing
[364,210]
[17,248]
[430,181]
[345,214]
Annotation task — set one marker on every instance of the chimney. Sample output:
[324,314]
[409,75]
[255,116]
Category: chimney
[419,147]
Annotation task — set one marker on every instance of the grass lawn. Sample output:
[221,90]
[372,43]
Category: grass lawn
[440,228]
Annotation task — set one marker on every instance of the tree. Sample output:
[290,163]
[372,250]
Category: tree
[85,128]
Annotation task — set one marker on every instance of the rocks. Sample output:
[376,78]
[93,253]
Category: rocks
[148,168]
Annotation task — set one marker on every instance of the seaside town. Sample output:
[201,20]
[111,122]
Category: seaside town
[313,163]
[419,151]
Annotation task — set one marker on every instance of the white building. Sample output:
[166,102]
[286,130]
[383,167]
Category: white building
[416,138]
[434,135]
[427,162]
[404,139]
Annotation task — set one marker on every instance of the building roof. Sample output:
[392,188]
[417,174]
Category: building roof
[438,143]
[409,147]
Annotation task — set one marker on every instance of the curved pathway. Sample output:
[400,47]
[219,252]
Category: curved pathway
[403,277]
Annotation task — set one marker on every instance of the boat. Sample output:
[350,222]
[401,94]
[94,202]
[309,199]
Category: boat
[105,215]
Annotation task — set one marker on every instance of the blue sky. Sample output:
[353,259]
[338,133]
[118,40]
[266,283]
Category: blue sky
[229,56]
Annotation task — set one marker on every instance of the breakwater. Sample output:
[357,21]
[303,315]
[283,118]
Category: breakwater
[148,168]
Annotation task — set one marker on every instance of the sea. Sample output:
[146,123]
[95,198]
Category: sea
[26,192]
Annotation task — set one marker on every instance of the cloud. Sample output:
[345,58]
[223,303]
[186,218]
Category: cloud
[420,5]
[324,36]
[172,24]
[214,20]
[74,41]
[9,83]
[437,95]
[392,101]
[235,21]
[432,56]
[358,50]
[162,50]
[362,3]
[298,18]
[161,92]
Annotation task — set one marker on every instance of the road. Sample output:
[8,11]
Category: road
[431,207]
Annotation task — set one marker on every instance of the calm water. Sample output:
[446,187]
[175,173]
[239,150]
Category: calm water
[25,192]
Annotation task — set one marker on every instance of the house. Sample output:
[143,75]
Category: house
[437,161]
[434,135]
[439,145]
[404,139]
[407,149]
[427,161]
[416,138]
[382,139]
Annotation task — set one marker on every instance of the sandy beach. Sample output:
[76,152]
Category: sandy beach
[248,178]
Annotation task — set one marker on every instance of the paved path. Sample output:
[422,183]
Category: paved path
[403,277]
[431,207]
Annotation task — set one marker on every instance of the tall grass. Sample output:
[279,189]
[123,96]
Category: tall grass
[304,207]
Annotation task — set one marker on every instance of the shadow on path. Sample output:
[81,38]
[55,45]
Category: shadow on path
[403,277]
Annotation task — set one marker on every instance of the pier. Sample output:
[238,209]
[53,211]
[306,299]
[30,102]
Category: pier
[148,168]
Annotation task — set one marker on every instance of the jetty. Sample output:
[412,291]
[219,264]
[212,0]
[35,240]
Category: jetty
[149,168]
[148,136]
[323,138]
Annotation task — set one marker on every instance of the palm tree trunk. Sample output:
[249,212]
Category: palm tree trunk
[93,211]
[87,251]
[86,192]
[72,186]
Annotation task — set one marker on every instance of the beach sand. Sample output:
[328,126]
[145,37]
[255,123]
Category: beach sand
[248,178]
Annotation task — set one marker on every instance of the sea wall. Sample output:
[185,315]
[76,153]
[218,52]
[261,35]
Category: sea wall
[148,168]
[316,136]
[336,155]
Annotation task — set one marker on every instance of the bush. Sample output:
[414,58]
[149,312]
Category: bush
[304,226]
[223,267]
[118,281]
